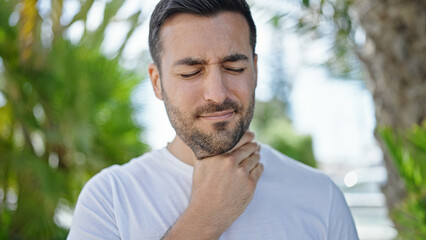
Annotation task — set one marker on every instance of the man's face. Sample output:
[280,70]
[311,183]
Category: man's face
[208,78]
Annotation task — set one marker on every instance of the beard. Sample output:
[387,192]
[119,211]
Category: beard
[224,136]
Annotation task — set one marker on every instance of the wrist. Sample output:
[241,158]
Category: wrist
[194,224]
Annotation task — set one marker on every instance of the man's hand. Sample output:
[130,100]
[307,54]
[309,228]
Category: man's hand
[222,187]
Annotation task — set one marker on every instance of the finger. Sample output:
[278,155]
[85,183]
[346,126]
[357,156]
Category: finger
[256,172]
[247,137]
[245,151]
[249,163]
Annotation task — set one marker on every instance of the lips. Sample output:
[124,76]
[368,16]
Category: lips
[218,116]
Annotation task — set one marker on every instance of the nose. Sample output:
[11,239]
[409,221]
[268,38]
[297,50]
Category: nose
[215,89]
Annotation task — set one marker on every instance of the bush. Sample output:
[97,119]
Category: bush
[408,150]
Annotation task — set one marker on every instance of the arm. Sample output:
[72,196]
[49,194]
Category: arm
[341,224]
[222,187]
[93,213]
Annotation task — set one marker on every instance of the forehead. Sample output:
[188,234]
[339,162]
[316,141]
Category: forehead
[188,35]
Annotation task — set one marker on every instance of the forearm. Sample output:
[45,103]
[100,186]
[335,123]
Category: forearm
[222,187]
[193,225]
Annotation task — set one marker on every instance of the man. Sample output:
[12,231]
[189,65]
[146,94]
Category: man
[213,180]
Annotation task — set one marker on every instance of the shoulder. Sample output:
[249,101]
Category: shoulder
[104,184]
[138,176]
[154,158]
[279,165]
[101,197]
[307,191]
[285,177]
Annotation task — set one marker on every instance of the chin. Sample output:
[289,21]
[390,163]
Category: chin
[221,145]
[202,155]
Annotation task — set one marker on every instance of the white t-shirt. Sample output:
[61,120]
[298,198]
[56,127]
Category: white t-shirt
[143,199]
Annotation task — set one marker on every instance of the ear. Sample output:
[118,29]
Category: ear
[255,68]
[154,75]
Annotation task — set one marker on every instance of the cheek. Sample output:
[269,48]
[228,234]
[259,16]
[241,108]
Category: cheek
[184,96]
[242,88]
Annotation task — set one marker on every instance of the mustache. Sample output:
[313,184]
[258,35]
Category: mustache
[228,104]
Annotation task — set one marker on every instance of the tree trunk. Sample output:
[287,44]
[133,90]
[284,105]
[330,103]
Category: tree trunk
[394,57]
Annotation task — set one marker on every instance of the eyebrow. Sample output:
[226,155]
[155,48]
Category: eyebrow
[234,58]
[190,61]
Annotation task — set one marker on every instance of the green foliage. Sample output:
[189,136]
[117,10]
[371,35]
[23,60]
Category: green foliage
[273,127]
[408,150]
[67,115]
[305,3]
[331,19]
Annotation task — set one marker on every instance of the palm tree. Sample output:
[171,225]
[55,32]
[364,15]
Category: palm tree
[66,112]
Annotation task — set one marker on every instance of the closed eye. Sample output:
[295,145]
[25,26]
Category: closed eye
[189,75]
[237,70]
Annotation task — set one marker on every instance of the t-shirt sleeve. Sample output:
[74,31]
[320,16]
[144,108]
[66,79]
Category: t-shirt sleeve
[94,214]
[341,224]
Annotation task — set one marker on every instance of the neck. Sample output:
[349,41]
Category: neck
[181,151]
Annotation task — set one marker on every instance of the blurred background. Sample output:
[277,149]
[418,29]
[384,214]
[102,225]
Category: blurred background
[342,87]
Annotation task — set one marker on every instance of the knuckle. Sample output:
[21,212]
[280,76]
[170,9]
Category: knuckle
[257,171]
[250,135]
[247,147]
[241,171]
[261,167]
[254,161]
[251,185]
[255,148]
[230,161]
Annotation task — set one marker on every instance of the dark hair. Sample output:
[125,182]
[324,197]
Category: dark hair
[207,8]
